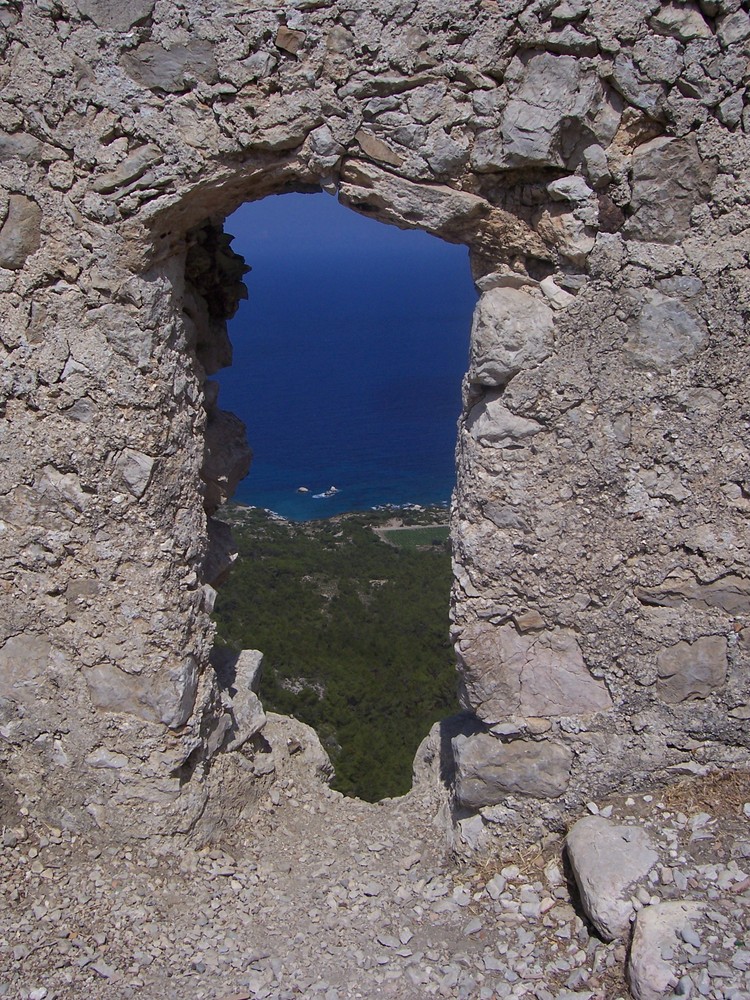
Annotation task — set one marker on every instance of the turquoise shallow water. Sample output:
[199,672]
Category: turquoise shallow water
[348,358]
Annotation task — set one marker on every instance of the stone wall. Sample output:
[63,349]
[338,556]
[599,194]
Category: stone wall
[593,156]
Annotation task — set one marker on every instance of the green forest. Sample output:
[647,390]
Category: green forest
[352,618]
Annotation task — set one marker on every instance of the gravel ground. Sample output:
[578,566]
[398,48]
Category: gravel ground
[335,898]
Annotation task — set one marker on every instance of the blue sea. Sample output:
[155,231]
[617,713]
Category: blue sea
[348,358]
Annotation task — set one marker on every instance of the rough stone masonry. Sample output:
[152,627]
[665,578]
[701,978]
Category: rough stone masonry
[593,155]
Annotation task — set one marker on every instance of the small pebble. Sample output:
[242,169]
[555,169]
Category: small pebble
[689,936]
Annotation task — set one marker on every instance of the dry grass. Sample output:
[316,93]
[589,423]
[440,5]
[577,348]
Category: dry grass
[610,984]
[721,794]
[529,860]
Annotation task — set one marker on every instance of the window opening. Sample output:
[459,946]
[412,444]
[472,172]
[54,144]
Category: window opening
[348,360]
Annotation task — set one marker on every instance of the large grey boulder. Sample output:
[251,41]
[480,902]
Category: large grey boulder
[550,92]
[608,862]
[239,677]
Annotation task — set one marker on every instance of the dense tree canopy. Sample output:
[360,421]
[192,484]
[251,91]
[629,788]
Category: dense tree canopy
[355,635]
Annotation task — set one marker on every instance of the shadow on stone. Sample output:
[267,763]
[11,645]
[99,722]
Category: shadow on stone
[462,724]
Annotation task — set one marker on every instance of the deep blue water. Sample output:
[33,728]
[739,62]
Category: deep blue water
[348,358]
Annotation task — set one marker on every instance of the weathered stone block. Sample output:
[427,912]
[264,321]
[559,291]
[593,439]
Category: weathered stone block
[167,698]
[115,15]
[239,677]
[130,169]
[553,90]
[542,673]
[664,331]
[511,330]
[487,770]
[220,553]
[289,40]
[325,149]
[226,458]
[734,28]
[113,690]
[491,423]
[657,936]
[567,233]
[682,22]
[634,88]
[730,593]
[20,235]
[377,148]
[573,189]
[171,69]
[669,180]
[598,468]
[134,469]
[690,670]
[23,664]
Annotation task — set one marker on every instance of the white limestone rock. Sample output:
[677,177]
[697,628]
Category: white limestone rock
[509,673]
[511,330]
[657,933]
[608,862]
[491,423]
